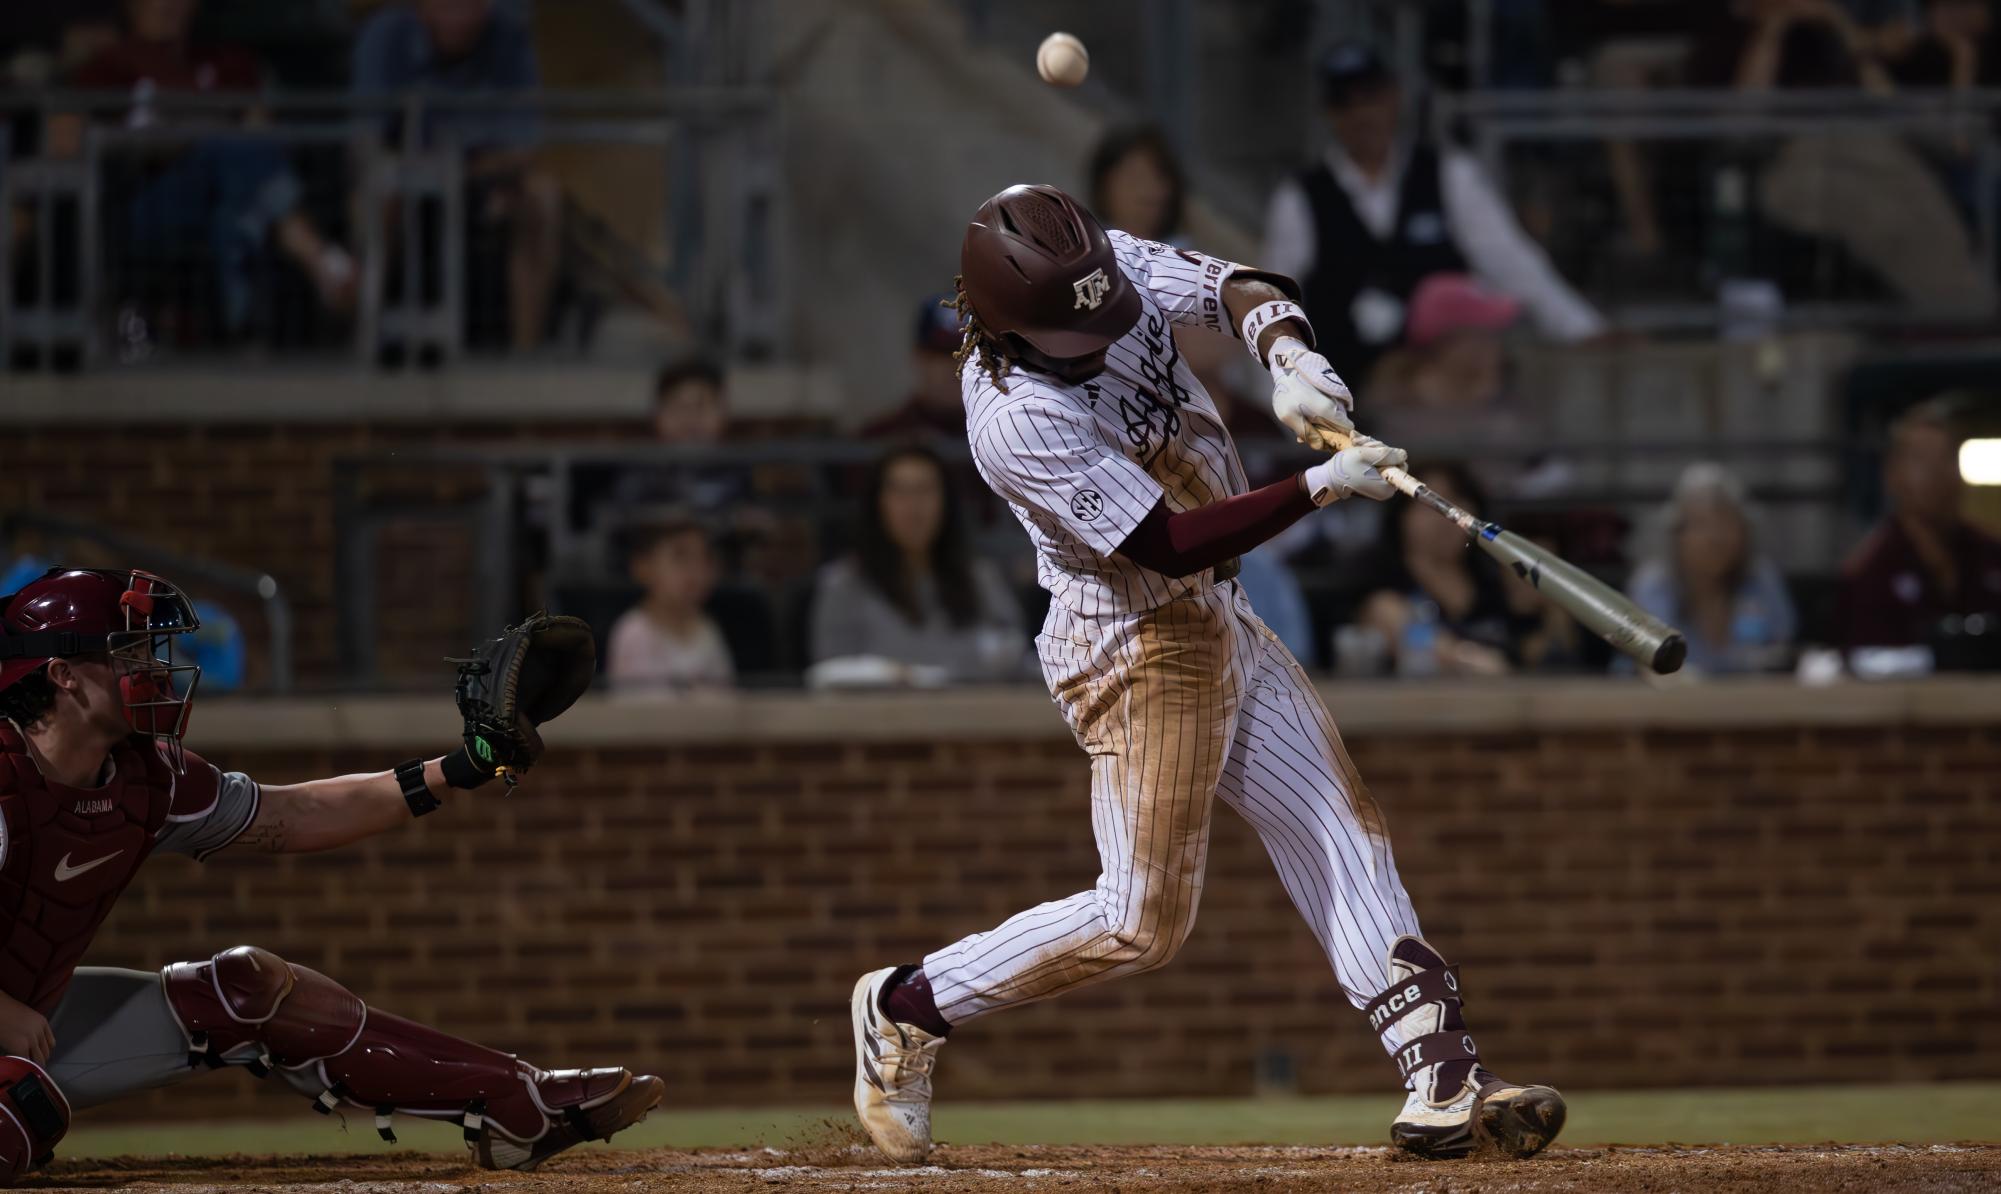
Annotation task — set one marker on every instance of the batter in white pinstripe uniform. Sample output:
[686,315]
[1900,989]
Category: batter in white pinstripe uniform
[1082,415]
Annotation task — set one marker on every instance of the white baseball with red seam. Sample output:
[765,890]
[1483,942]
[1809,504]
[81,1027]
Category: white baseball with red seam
[1062,60]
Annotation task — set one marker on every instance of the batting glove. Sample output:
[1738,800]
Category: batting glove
[1307,393]
[1354,469]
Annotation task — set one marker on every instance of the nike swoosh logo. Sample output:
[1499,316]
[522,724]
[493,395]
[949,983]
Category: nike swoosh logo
[65,872]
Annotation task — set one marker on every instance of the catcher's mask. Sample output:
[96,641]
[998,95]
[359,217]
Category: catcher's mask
[131,617]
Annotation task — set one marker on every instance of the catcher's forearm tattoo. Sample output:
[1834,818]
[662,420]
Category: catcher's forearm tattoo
[268,834]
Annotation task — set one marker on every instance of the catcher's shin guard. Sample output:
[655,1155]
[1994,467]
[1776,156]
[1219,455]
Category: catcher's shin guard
[34,1116]
[247,1006]
[1455,1105]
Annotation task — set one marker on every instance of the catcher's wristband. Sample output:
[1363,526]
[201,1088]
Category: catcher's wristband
[416,793]
[1262,316]
[461,772]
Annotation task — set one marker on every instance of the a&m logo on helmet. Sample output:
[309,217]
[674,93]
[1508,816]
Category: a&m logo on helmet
[1091,290]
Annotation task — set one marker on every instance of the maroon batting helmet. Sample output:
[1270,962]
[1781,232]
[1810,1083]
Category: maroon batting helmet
[1037,267]
[132,616]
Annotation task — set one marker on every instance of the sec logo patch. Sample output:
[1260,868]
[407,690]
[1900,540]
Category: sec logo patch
[1087,505]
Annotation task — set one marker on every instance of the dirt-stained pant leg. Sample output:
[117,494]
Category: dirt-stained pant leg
[115,1036]
[1290,776]
[1154,702]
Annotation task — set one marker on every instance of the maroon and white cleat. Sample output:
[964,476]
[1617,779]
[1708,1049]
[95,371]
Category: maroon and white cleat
[1455,1106]
[581,1105]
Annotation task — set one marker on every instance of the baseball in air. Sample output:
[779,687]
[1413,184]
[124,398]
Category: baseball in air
[1062,60]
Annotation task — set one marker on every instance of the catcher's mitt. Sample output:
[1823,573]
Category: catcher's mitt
[514,683]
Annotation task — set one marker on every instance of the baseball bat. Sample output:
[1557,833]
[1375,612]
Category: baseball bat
[1602,609]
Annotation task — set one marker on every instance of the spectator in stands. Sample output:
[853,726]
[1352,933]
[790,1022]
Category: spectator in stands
[1868,191]
[1924,561]
[1542,637]
[667,641]
[690,409]
[236,198]
[1439,608]
[1449,381]
[1452,362]
[474,46]
[1138,186]
[1633,45]
[914,604]
[934,409]
[689,403]
[1383,209]
[1707,577]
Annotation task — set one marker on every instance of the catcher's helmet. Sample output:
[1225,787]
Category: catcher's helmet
[1038,268]
[132,616]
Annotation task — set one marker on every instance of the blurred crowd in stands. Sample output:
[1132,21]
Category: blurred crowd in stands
[224,236]
[1419,270]
[910,596]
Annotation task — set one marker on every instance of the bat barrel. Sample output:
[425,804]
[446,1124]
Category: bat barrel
[1602,609]
[1669,656]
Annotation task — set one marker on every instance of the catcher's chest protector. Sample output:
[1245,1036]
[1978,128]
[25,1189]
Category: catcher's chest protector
[65,855]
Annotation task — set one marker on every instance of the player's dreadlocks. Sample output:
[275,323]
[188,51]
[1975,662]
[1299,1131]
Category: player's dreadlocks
[976,340]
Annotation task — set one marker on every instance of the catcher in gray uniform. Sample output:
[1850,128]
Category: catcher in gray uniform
[93,779]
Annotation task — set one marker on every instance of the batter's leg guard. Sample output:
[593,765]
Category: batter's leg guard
[33,1117]
[247,1006]
[1455,1105]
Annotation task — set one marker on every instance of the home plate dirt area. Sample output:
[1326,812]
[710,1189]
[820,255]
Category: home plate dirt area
[1763,1169]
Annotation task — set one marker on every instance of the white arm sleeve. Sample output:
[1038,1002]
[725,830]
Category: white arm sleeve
[1061,466]
[1501,252]
[1187,286]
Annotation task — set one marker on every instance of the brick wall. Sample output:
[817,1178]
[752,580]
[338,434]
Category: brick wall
[1633,908]
[260,496]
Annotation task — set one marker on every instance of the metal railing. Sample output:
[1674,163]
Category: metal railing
[190,571]
[114,268]
[531,527]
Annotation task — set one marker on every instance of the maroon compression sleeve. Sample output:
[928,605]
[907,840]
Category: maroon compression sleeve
[1188,542]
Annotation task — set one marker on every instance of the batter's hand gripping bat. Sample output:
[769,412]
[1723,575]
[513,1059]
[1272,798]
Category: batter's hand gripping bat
[1602,609]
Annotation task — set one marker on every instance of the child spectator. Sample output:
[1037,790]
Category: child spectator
[690,409]
[913,600]
[1453,358]
[667,642]
[1708,578]
[1449,381]
[689,406]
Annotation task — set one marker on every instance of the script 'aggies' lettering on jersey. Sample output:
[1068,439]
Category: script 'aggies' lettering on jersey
[1041,443]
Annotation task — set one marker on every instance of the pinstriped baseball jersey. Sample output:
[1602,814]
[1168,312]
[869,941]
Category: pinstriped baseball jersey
[1174,687]
[1081,464]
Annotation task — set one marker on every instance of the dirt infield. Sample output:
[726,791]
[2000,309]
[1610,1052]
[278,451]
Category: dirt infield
[1763,1170]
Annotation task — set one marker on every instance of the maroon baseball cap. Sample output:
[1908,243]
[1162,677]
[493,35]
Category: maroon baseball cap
[1447,303]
